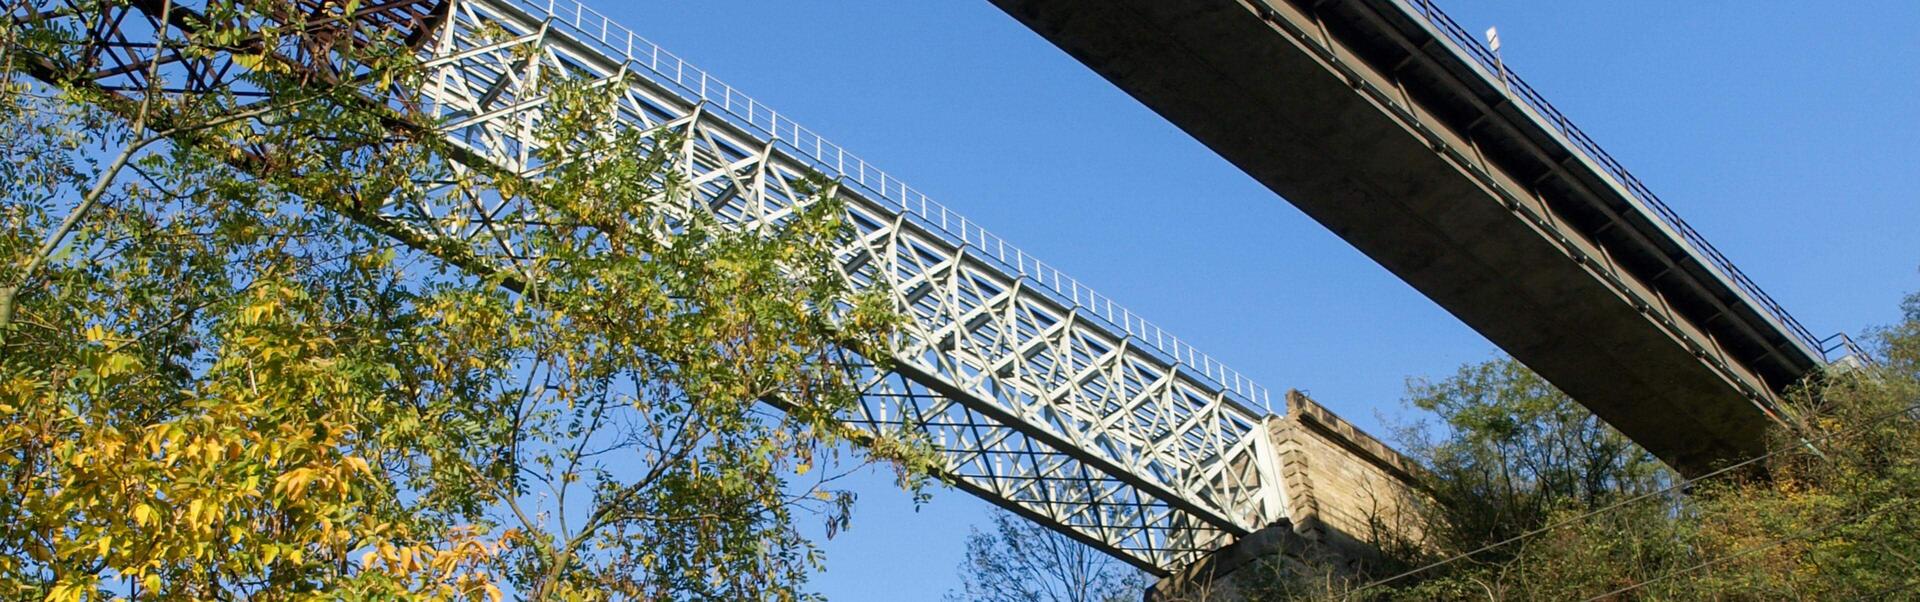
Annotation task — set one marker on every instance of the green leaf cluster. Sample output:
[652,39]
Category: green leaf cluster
[226,372]
[1533,499]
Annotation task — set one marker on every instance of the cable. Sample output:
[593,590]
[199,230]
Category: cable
[1750,550]
[1610,507]
[1887,591]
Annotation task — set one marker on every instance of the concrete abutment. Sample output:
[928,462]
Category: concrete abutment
[1345,492]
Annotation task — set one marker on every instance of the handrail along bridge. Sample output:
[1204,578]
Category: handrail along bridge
[1043,396]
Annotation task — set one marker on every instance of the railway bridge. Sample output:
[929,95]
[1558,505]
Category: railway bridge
[1381,119]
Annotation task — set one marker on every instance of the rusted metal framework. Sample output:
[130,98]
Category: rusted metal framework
[1044,397]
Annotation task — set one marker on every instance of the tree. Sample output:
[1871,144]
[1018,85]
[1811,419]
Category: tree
[1021,561]
[194,402]
[225,376]
[1832,513]
[1509,451]
[1838,516]
[1505,453]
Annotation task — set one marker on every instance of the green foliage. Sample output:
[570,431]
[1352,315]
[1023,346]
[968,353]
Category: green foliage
[1511,451]
[1834,513]
[223,376]
[652,332]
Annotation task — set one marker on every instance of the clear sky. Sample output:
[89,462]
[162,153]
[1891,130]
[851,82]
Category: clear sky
[1788,134]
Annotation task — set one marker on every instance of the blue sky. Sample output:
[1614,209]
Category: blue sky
[1786,134]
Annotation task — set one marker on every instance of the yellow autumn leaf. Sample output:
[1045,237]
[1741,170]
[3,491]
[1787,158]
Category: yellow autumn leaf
[293,483]
[63,592]
[250,61]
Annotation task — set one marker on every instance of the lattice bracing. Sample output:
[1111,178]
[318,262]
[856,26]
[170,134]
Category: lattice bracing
[1043,397]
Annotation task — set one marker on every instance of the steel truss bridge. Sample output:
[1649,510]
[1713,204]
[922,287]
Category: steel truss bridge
[1043,396]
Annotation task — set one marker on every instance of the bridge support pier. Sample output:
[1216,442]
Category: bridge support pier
[1345,492]
[1233,573]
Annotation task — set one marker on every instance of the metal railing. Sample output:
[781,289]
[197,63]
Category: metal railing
[591,27]
[1845,346]
[1692,238]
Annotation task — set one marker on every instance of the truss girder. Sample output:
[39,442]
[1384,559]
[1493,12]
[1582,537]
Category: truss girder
[1039,399]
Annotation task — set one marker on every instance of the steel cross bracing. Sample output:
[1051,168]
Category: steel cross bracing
[1043,397]
[1037,404]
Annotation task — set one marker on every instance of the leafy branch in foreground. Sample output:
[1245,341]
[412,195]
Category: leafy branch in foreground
[225,376]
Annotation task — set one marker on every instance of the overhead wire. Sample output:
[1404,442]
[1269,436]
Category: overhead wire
[1829,525]
[1683,483]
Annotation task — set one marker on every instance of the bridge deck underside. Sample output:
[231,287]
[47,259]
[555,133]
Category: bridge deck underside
[1372,127]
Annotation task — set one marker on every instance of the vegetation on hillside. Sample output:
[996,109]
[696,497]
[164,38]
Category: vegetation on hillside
[1534,499]
[1528,496]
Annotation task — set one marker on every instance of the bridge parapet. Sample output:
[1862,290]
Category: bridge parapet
[1543,111]
[668,70]
[1386,123]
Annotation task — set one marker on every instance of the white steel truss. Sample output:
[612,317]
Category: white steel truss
[1043,397]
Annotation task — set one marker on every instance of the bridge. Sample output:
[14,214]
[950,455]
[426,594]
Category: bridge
[1375,116]
[1392,126]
